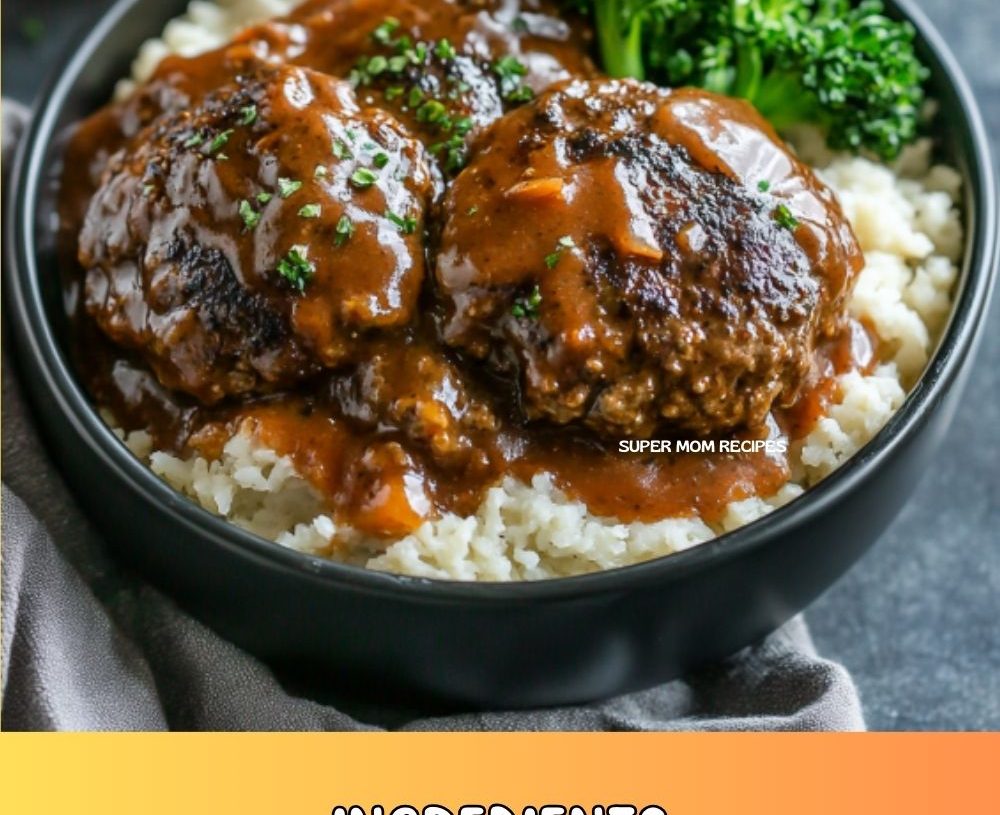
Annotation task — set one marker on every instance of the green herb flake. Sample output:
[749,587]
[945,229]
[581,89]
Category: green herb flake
[509,66]
[406,224]
[783,215]
[520,94]
[455,153]
[264,197]
[528,306]
[341,150]
[510,70]
[472,211]
[432,111]
[248,115]
[394,92]
[763,185]
[296,267]
[287,187]
[415,98]
[363,178]
[380,160]
[344,231]
[249,215]
[219,142]
[444,50]
[320,172]
[564,243]
[377,65]
[310,211]
[383,33]
[194,140]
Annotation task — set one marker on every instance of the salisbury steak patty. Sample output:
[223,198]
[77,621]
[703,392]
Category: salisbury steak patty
[636,257]
[246,243]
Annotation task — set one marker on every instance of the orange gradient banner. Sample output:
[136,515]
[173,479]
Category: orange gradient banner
[685,774]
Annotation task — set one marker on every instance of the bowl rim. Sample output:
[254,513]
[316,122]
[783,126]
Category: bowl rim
[36,342]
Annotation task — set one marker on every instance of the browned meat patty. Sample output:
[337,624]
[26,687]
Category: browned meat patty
[244,244]
[635,257]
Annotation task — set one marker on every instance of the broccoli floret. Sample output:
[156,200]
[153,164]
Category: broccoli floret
[847,68]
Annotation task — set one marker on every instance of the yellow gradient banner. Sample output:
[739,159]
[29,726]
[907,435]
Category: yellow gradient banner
[683,774]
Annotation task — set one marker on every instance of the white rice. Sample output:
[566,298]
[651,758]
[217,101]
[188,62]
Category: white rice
[907,222]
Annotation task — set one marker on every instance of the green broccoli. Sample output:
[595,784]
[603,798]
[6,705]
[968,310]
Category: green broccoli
[847,68]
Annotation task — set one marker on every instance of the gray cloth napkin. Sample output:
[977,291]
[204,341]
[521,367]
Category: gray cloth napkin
[87,645]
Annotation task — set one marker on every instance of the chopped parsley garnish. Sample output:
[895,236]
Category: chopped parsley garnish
[368,68]
[219,142]
[783,215]
[510,70]
[363,178]
[248,115]
[520,94]
[320,172]
[471,211]
[527,306]
[519,25]
[288,187]
[341,150]
[264,197]
[509,66]
[377,65]
[432,111]
[416,97]
[383,33]
[454,153]
[310,211]
[194,140]
[249,215]
[431,106]
[763,185]
[296,267]
[406,224]
[344,231]
[444,50]
[565,242]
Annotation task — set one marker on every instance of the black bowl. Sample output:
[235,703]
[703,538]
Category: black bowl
[523,644]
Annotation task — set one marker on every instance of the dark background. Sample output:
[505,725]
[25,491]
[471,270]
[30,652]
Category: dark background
[917,622]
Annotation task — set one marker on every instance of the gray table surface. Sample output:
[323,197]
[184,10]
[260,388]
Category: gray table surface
[918,620]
